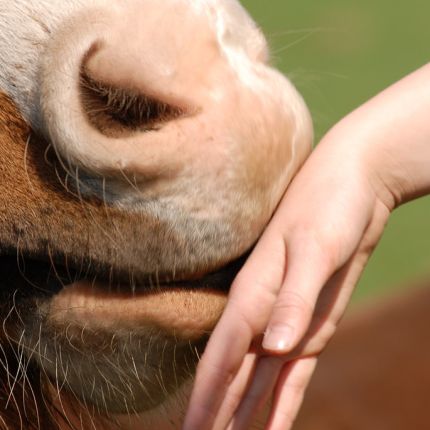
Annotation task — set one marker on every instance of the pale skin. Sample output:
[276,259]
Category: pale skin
[298,281]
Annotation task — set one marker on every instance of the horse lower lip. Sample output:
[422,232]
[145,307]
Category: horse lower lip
[186,309]
[185,313]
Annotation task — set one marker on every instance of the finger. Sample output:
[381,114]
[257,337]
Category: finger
[259,392]
[235,391]
[289,393]
[336,294]
[308,271]
[240,323]
[217,370]
[269,368]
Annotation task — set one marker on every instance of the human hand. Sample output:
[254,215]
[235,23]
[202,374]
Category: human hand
[295,287]
[298,280]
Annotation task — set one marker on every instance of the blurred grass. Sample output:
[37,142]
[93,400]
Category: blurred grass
[340,53]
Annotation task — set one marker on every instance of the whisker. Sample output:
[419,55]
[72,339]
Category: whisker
[294,43]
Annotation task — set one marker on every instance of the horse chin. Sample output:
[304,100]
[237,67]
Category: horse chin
[168,415]
[116,348]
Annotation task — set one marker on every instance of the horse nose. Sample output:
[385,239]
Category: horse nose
[108,83]
[156,103]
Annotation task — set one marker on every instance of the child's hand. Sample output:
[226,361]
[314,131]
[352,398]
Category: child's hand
[315,248]
[298,280]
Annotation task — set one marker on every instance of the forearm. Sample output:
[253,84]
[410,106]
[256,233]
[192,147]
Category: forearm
[390,136]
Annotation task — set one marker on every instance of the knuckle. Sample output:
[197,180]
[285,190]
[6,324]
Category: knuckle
[243,319]
[322,247]
[292,303]
[252,312]
[258,290]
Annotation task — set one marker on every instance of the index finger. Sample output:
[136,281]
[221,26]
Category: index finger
[252,297]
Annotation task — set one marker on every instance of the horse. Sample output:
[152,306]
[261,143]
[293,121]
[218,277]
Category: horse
[144,146]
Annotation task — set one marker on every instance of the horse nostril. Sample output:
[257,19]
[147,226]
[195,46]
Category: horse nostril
[119,112]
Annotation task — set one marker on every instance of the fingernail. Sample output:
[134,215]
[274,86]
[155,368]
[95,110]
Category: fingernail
[278,338]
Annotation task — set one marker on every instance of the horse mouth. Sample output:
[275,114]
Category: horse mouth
[80,327]
[101,298]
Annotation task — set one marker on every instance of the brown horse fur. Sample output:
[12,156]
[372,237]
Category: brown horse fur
[21,383]
[43,222]
[40,212]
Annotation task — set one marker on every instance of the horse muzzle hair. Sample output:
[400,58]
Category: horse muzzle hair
[144,146]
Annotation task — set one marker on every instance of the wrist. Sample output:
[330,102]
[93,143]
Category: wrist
[389,137]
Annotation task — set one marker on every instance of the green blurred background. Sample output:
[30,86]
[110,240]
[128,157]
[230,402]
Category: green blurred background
[340,53]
